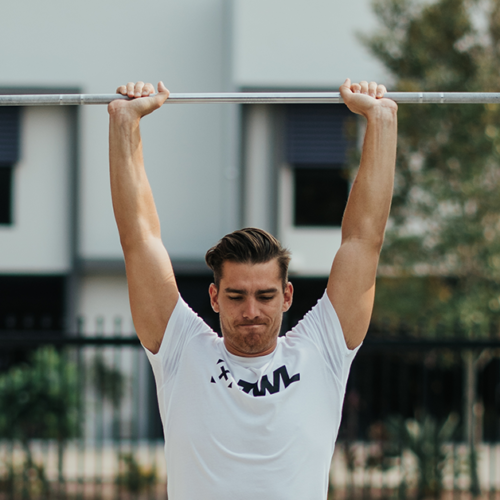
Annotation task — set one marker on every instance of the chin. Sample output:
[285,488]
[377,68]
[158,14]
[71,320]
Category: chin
[248,344]
[252,343]
[256,344]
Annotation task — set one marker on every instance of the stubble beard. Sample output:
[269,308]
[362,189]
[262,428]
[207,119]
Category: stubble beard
[250,343]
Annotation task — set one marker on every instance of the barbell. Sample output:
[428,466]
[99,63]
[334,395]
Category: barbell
[254,98]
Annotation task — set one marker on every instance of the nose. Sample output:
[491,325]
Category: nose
[251,309]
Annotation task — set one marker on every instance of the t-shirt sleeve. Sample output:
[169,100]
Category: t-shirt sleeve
[321,325]
[183,325]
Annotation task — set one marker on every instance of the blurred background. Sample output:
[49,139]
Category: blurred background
[78,411]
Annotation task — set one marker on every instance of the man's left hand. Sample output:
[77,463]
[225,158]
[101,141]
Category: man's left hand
[366,98]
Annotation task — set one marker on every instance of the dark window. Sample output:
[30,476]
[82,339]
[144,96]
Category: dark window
[320,196]
[9,135]
[5,195]
[318,140]
[31,303]
[319,134]
[9,155]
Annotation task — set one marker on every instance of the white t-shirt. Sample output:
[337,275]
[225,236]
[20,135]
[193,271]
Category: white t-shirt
[259,428]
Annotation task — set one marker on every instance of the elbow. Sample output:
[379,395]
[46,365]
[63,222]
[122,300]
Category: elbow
[378,243]
[130,240]
[127,243]
[367,236]
[139,232]
[369,245]
[137,242]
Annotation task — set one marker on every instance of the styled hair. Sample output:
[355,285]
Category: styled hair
[249,245]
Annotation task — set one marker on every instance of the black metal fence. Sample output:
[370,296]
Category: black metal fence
[416,424]
[79,419]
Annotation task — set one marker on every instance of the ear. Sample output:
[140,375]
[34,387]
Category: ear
[288,297]
[214,297]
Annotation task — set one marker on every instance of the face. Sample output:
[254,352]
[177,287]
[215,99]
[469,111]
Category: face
[250,301]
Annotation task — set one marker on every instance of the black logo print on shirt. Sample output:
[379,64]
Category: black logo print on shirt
[223,374]
[280,374]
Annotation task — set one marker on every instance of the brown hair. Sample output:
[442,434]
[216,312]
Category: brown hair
[248,245]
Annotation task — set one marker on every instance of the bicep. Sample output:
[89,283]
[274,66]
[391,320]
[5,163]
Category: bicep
[351,288]
[152,289]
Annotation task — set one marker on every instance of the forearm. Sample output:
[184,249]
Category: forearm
[133,202]
[351,286]
[369,202]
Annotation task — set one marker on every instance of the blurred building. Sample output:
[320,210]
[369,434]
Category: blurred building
[213,168]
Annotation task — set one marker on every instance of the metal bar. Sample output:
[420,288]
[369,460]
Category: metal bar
[254,98]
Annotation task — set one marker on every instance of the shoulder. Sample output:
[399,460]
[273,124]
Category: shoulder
[321,325]
[183,326]
[320,317]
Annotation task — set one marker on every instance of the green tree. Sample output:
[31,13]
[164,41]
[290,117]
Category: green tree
[40,400]
[426,439]
[135,477]
[445,220]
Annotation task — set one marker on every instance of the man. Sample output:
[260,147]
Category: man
[251,416]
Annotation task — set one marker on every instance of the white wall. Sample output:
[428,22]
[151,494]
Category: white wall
[259,167]
[294,43]
[190,151]
[103,304]
[99,45]
[37,242]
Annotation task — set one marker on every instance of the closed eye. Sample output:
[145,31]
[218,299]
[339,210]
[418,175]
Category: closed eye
[266,297]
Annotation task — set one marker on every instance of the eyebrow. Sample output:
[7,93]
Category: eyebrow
[243,292]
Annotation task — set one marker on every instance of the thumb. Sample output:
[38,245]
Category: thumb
[345,88]
[162,89]
[163,93]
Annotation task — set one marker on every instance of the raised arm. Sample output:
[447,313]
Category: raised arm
[351,286]
[151,282]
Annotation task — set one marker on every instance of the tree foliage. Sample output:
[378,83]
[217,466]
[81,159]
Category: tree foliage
[40,399]
[425,438]
[445,219]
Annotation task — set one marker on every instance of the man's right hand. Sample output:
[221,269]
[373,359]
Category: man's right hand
[151,282]
[138,107]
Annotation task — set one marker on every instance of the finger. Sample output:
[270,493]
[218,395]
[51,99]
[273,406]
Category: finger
[130,89]
[381,90]
[347,84]
[148,89]
[345,89]
[163,93]
[138,89]
[372,89]
[122,89]
[364,87]
[356,88]
[162,89]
